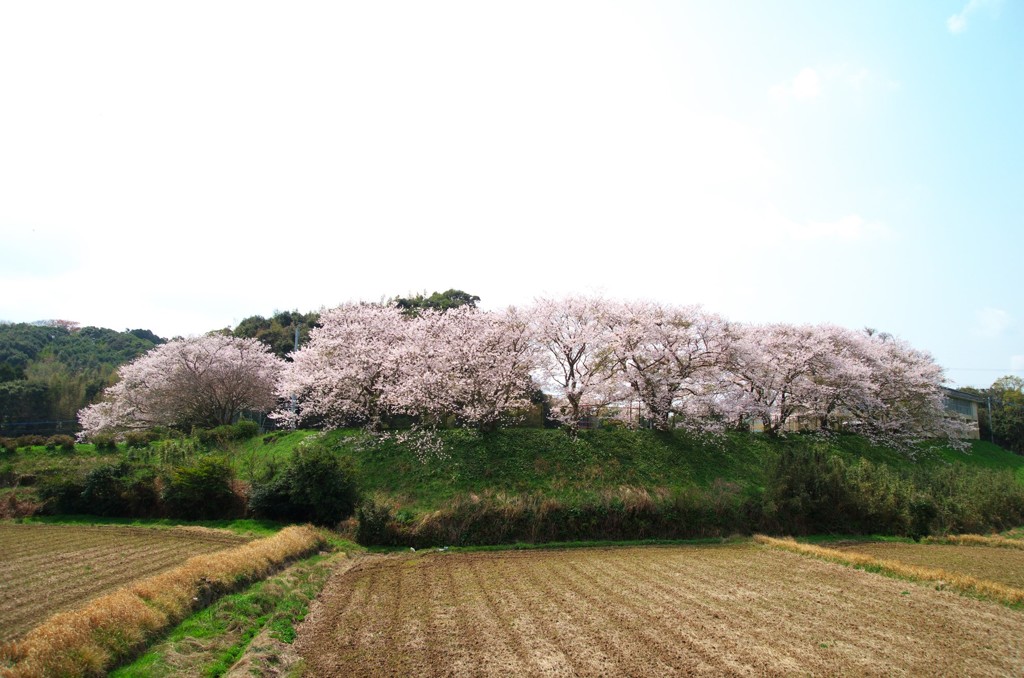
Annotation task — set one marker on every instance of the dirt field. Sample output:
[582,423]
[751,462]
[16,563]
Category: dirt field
[724,610]
[1003,565]
[49,568]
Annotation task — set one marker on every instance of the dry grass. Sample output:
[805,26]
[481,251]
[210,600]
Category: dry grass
[941,578]
[1002,565]
[45,569]
[89,640]
[976,540]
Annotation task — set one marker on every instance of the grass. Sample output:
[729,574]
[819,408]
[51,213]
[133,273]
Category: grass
[555,464]
[90,639]
[211,641]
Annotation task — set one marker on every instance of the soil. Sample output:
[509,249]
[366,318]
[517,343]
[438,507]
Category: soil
[993,563]
[50,568]
[708,610]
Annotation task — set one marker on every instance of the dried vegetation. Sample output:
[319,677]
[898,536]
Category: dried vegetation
[88,640]
[941,578]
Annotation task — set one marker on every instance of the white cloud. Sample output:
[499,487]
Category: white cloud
[958,22]
[991,322]
[815,82]
[805,85]
[850,228]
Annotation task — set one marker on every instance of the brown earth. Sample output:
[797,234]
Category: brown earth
[719,610]
[993,563]
[51,568]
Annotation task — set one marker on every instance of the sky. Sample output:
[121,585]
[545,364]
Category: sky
[181,166]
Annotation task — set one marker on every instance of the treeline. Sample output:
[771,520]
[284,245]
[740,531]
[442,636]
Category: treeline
[51,370]
[1002,412]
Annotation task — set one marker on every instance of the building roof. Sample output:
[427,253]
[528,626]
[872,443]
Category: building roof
[961,395]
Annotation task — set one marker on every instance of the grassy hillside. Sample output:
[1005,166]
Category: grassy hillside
[556,464]
[539,485]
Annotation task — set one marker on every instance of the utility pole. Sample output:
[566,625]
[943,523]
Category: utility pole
[991,431]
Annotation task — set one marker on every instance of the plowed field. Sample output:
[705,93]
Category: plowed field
[1003,565]
[722,610]
[49,568]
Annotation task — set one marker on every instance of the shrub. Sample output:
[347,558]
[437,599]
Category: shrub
[316,486]
[61,495]
[104,491]
[64,443]
[8,446]
[374,523]
[221,435]
[104,442]
[31,441]
[201,490]
[140,439]
[141,495]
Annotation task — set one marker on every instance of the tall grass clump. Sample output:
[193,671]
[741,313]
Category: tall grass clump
[813,491]
[619,514]
[90,640]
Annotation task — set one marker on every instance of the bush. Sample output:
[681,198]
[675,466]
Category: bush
[201,491]
[64,443]
[103,493]
[8,446]
[316,486]
[374,523]
[104,442]
[31,441]
[221,435]
[139,439]
[61,495]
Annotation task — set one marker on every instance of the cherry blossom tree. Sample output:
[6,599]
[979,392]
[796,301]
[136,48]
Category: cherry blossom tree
[907,399]
[346,371]
[771,368]
[669,357]
[576,362]
[465,363]
[200,381]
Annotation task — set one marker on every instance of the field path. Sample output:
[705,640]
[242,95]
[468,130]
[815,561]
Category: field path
[690,610]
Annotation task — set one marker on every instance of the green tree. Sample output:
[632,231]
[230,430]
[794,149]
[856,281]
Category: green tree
[278,331]
[441,301]
[1005,423]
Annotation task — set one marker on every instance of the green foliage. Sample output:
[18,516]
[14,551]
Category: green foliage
[316,486]
[62,494]
[376,524]
[626,514]
[278,331]
[50,371]
[104,442]
[105,490]
[222,435]
[211,640]
[440,301]
[1005,422]
[201,490]
[62,442]
[8,446]
[812,491]
[140,439]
